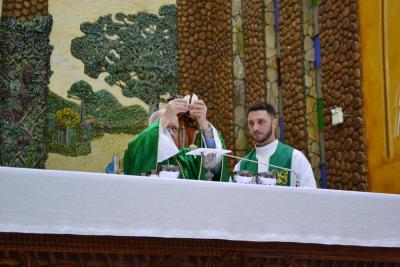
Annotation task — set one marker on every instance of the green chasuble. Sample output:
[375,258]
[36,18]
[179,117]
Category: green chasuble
[282,157]
[141,157]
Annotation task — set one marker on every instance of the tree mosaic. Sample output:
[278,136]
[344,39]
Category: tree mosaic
[84,92]
[137,52]
[71,135]
[67,119]
[24,75]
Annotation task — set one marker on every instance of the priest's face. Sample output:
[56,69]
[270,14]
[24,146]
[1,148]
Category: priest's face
[261,127]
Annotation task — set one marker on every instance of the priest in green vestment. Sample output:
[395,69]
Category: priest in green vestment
[161,143]
[270,155]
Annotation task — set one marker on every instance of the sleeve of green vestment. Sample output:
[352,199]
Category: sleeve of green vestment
[141,154]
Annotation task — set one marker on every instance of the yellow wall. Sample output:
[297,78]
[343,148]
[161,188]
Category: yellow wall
[380,45]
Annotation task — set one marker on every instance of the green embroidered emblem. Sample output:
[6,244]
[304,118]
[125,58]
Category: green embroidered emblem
[282,177]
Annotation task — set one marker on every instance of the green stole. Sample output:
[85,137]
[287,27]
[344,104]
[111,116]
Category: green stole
[282,157]
[141,157]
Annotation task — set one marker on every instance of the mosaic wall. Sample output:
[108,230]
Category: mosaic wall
[239,80]
[271,54]
[292,71]
[253,27]
[294,85]
[205,53]
[301,56]
[25,10]
[87,110]
[312,73]
[24,90]
[345,148]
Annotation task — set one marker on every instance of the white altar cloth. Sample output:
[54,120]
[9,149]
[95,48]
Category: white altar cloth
[63,202]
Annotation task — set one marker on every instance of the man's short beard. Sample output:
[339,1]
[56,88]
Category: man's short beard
[267,136]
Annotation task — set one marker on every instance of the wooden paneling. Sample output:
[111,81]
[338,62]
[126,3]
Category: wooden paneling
[99,251]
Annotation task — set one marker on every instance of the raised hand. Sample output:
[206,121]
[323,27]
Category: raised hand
[174,107]
[198,110]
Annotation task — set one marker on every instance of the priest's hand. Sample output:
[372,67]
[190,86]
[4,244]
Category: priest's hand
[174,107]
[198,110]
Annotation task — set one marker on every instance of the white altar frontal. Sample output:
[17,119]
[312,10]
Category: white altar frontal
[79,203]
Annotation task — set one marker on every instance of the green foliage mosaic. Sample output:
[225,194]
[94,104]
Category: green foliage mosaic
[24,77]
[137,52]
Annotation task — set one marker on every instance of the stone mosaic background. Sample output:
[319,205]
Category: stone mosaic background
[205,58]
[312,73]
[25,10]
[24,91]
[239,80]
[346,154]
[302,56]
[271,54]
[274,59]
[64,119]
[292,74]
[254,50]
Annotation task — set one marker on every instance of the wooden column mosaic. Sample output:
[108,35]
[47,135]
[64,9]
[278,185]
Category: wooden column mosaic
[346,155]
[196,37]
[254,51]
[292,74]
[205,58]
[25,10]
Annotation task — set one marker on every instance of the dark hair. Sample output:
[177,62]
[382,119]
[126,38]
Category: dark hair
[263,106]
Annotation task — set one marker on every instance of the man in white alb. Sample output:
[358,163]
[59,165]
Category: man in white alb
[269,153]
